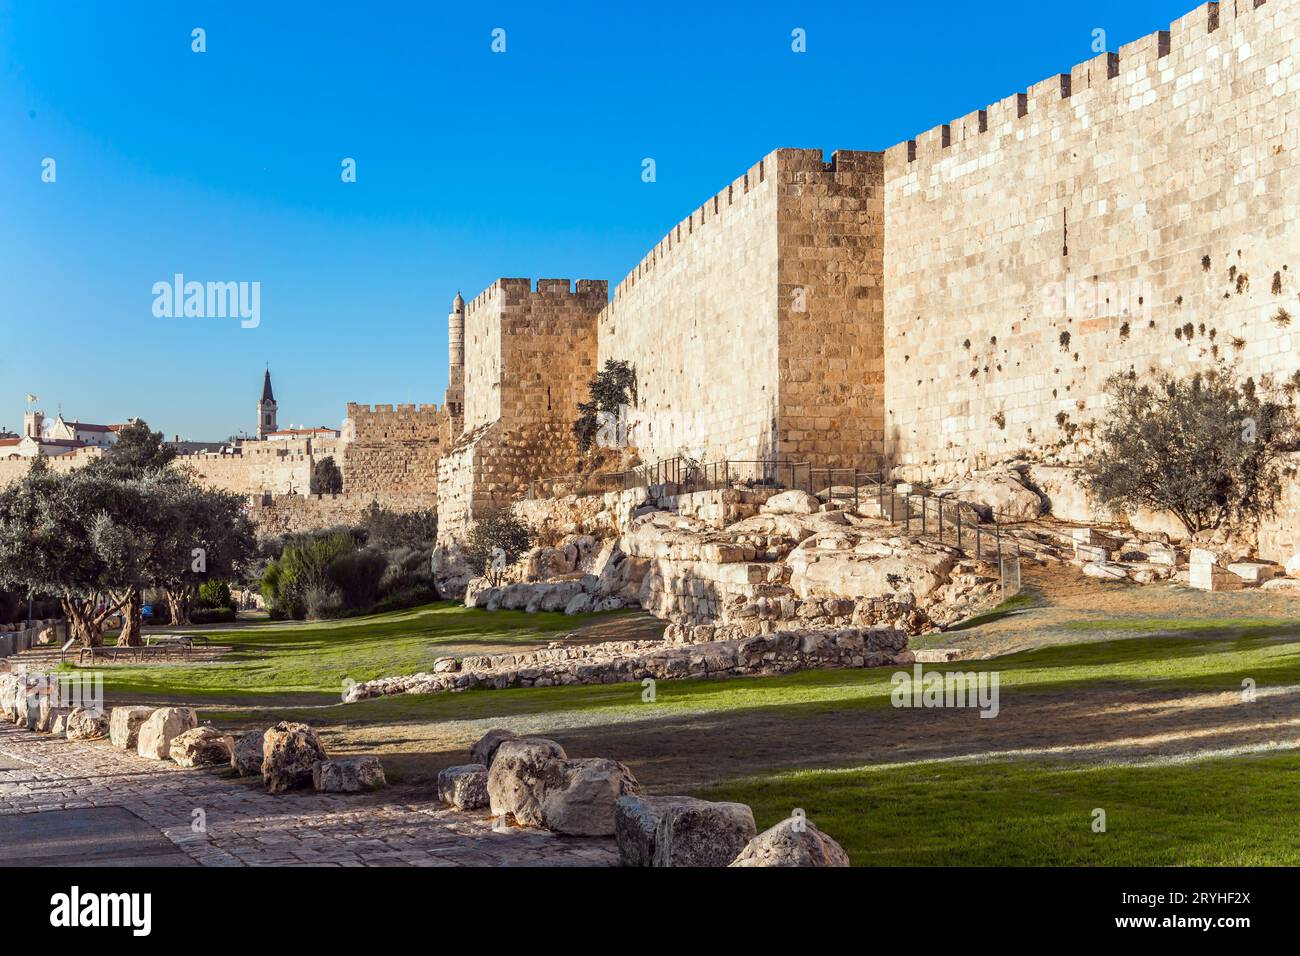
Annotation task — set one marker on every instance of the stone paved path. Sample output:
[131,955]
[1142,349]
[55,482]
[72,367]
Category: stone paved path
[245,825]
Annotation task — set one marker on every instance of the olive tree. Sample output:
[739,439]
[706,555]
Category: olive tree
[1205,447]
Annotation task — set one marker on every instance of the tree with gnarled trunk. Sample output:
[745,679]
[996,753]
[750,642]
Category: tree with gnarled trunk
[98,537]
[46,545]
[1206,448]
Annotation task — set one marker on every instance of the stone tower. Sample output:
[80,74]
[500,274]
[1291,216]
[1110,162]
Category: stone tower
[455,398]
[33,422]
[266,408]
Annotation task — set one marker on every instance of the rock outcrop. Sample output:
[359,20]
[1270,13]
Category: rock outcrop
[200,747]
[464,787]
[290,752]
[124,725]
[578,796]
[484,749]
[516,776]
[348,774]
[702,834]
[85,724]
[161,728]
[246,753]
[792,842]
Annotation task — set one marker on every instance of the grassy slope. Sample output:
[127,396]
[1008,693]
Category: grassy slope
[313,660]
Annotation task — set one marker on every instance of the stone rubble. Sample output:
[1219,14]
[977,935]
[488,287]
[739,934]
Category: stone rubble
[625,661]
[348,774]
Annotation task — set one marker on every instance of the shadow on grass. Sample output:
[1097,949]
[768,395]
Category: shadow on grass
[1228,812]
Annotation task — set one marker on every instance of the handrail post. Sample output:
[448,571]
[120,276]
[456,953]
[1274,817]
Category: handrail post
[907,513]
[924,501]
[940,521]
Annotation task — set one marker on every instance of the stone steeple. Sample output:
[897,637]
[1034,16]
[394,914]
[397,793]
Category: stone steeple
[266,408]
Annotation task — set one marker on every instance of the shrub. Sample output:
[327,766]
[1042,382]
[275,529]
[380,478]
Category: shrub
[326,479]
[386,529]
[322,602]
[212,615]
[302,568]
[356,575]
[214,593]
[497,540]
[1205,448]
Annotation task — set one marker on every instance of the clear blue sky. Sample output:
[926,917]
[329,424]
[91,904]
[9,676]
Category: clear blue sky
[471,165]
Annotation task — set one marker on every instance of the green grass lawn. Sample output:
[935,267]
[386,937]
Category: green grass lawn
[312,660]
[1204,660]
[1239,811]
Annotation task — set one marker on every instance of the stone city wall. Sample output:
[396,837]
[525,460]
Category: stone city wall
[1138,211]
[755,324]
[14,467]
[286,514]
[394,450]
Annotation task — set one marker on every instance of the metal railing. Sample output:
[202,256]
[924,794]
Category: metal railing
[683,474]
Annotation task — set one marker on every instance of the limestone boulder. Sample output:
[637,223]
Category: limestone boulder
[27,705]
[348,774]
[161,728]
[1000,492]
[1105,572]
[8,696]
[1066,496]
[636,821]
[84,724]
[290,751]
[60,726]
[1293,565]
[464,787]
[578,796]
[200,747]
[124,725]
[484,749]
[871,569]
[1254,572]
[52,714]
[792,842]
[704,834]
[246,753]
[451,571]
[579,604]
[792,502]
[515,778]
[1163,523]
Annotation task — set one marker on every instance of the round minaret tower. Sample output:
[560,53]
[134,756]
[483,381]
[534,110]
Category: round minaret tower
[266,409]
[456,333]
